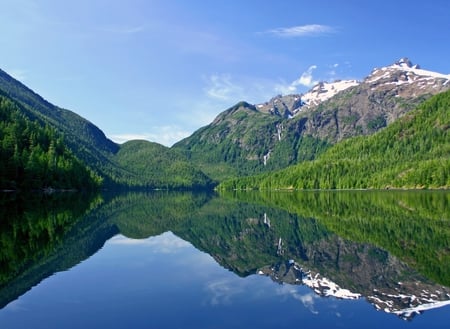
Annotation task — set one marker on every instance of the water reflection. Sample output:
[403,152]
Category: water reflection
[392,248]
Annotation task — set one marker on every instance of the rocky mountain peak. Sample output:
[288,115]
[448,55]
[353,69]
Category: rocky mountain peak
[405,62]
[407,79]
[284,106]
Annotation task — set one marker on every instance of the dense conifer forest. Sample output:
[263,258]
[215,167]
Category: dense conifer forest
[35,157]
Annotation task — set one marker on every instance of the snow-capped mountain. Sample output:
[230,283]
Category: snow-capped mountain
[407,77]
[289,105]
[412,73]
[408,80]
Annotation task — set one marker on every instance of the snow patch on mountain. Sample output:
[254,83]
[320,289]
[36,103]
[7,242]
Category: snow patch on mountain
[325,90]
[325,287]
[320,285]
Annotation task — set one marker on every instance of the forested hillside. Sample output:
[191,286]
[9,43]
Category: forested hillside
[154,165]
[413,152]
[35,157]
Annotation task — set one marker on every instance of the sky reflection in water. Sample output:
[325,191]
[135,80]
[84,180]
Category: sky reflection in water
[164,282]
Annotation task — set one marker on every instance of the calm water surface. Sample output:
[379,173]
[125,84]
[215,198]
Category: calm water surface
[163,260]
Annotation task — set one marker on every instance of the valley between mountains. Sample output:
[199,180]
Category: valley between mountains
[388,130]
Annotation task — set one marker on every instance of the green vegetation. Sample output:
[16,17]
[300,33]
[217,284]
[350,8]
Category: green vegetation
[413,152]
[35,157]
[155,166]
[376,123]
[233,144]
[33,226]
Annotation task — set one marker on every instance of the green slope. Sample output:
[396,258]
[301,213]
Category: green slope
[156,166]
[413,152]
[116,165]
[237,141]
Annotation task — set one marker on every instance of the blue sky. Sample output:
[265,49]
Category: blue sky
[159,70]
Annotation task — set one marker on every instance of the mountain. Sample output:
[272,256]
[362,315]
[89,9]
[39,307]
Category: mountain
[412,152]
[108,161]
[248,139]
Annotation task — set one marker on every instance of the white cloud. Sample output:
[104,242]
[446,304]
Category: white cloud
[305,80]
[164,243]
[302,31]
[308,299]
[165,135]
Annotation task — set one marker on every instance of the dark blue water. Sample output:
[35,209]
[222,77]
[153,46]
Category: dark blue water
[164,282]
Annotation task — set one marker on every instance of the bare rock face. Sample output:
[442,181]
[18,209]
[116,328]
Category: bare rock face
[283,106]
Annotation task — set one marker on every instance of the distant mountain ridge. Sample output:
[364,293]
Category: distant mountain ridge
[98,153]
[248,139]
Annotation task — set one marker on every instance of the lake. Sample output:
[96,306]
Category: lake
[331,259]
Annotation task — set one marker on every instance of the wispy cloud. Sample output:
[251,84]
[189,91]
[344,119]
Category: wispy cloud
[225,89]
[222,291]
[123,29]
[302,31]
[222,87]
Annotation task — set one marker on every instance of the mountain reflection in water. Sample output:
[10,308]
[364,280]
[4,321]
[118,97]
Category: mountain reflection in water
[391,248]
